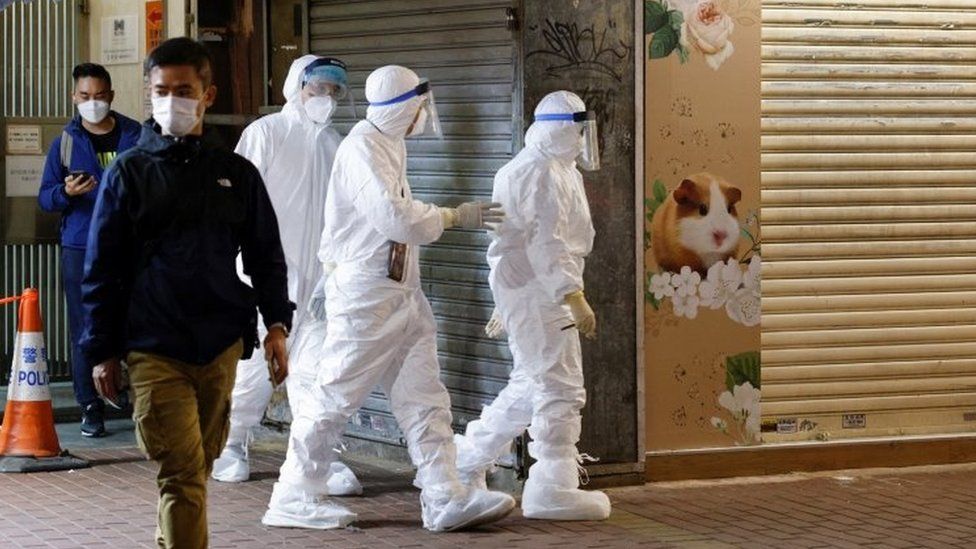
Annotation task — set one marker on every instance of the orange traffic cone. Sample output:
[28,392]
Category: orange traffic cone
[28,419]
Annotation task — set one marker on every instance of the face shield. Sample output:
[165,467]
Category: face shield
[325,81]
[427,123]
[589,158]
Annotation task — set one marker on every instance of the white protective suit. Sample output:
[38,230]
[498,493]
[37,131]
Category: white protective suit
[294,156]
[536,258]
[380,331]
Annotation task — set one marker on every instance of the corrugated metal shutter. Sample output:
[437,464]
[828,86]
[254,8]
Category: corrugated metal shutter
[38,49]
[869,213]
[39,45]
[464,47]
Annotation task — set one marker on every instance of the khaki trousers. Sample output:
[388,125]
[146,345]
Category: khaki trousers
[181,414]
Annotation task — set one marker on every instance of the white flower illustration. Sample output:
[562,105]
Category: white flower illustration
[661,285]
[707,28]
[753,276]
[745,307]
[686,282]
[721,283]
[685,305]
[744,405]
[719,424]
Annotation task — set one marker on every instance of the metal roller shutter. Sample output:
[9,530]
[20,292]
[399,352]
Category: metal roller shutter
[467,51]
[869,212]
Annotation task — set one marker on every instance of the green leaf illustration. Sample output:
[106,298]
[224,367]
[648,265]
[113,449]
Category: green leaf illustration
[655,16]
[664,42]
[660,191]
[676,19]
[742,368]
[648,294]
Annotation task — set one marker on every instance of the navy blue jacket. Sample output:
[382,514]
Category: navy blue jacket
[160,270]
[76,211]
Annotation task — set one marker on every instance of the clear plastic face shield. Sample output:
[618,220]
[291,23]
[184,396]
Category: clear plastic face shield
[589,158]
[427,123]
[324,81]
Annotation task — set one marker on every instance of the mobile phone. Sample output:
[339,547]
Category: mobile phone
[82,173]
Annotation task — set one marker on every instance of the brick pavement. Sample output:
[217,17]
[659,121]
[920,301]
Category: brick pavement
[113,505]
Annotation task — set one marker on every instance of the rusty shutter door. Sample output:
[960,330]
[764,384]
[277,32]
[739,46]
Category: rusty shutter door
[869,217]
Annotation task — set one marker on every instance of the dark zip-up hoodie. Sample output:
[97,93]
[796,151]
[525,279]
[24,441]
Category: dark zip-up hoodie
[160,271]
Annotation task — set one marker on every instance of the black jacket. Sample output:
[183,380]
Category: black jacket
[160,271]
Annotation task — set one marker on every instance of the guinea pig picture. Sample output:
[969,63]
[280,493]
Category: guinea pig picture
[697,225]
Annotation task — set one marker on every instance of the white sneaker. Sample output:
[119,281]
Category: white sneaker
[343,481]
[291,507]
[470,508]
[231,467]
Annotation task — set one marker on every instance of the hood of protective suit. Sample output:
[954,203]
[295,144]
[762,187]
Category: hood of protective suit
[384,84]
[292,90]
[559,139]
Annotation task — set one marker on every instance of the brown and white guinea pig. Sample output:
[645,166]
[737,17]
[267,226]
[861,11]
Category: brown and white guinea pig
[697,224]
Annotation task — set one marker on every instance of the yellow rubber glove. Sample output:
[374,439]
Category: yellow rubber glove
[583,314]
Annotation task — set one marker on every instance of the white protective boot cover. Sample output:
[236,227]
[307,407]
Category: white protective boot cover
[552,493]
[462,507]
[232,465]
[472,471]
[294,507]
[342,481]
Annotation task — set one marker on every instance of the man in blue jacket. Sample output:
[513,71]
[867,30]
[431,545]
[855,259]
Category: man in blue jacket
[87,145]
[161,288]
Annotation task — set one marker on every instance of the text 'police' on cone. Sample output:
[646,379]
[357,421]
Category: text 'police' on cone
[28,419]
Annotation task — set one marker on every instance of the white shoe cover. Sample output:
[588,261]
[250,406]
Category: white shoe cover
[476,479]
[291,507]
[467,509]
[342,481]
[469,473]
[231,467]
[551,501]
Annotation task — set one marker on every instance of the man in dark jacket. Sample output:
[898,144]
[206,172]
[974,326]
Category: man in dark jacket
[161,288]
[87,145]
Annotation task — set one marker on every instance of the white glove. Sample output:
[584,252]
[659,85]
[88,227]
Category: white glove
[474,215]
[316,305]
[495,329]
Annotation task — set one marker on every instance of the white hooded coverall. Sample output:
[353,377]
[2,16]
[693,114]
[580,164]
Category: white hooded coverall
[537,258]
[381,332]
[294,156]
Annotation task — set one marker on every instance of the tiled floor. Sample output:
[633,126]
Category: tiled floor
[112,504]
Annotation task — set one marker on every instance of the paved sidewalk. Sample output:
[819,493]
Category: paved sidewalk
[112,505]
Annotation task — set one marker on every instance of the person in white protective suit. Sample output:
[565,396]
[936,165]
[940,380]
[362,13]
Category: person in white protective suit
[293,150]
[536,257]
[381,328]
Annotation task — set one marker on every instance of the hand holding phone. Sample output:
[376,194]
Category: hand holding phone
[78,183]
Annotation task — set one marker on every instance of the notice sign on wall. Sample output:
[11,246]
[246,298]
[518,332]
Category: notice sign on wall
[154,24]
[120,40]
[24,139]
[24,174]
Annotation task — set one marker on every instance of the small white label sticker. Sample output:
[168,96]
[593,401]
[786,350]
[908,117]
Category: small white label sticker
[854,421]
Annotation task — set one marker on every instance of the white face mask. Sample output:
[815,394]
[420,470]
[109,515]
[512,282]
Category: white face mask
[419,124]
[319,109]
[176,116]
[93,110]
